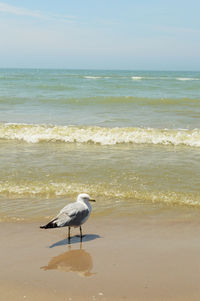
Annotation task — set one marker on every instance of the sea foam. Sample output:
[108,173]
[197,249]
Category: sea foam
[137,77]
[35,133]
[92,77]
[104,191]
[186,78]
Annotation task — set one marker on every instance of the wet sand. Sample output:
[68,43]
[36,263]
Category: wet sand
[119,259]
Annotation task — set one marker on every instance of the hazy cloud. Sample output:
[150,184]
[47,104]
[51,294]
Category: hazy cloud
[20,11]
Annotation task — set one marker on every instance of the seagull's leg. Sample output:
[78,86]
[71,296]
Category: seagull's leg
[81,235]
[69,234]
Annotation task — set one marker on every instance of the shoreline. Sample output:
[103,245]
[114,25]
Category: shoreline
[119,259]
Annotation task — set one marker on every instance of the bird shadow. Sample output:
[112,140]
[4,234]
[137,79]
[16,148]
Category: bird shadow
[74,240]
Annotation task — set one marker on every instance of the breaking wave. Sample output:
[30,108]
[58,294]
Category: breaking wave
[96,77]
[110,196]
[186,78]
[137,77]
[35,133]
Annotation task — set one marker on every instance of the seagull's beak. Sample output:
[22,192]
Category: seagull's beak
[91,200]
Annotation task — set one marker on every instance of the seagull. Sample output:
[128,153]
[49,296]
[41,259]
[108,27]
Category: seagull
[72,215]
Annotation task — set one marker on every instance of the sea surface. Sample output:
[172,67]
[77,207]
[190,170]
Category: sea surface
[131,139]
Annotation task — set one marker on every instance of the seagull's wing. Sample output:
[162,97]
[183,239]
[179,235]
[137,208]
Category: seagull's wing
[70,209]
[62,218]
[73,214]
[66,215]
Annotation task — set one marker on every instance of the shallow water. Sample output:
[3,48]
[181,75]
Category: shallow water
[130,139]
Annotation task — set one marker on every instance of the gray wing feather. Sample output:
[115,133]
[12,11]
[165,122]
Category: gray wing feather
[72,215]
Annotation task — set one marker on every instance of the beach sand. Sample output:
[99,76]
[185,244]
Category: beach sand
[120,259]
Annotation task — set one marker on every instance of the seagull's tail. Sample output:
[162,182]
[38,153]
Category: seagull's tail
[43,227]
[51,224]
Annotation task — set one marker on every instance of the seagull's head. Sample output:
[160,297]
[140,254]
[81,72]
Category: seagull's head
[85,198]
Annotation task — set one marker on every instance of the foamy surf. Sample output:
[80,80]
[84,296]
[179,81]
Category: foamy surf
[137,77]
[35,133]
[30,201]
[96,77]
[92,77]
[186,78]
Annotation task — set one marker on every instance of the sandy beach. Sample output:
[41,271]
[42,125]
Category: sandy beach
[149,258]
[100,98]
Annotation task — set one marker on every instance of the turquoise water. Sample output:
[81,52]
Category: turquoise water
[104,98]
[129,138]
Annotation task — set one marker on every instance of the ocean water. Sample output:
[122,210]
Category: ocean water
[131,139]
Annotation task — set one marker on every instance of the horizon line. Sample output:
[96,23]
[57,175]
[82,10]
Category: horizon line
[102,69]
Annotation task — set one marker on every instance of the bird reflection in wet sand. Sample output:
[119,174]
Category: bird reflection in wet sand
[78,261]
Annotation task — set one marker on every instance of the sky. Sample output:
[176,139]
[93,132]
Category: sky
[100,34]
